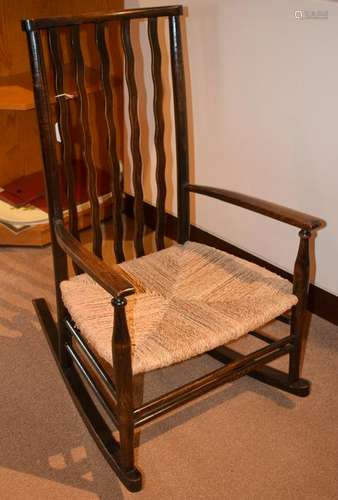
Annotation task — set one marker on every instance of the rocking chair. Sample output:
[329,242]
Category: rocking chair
[116,321]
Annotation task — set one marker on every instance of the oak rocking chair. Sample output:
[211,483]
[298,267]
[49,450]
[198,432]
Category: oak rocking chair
[115,321]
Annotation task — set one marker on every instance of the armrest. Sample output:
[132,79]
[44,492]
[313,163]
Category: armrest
[113,282]
[272,210]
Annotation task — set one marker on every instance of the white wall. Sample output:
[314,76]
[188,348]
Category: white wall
[264,91]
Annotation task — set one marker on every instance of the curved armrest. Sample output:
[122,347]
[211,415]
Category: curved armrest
[272,210]
[114,283]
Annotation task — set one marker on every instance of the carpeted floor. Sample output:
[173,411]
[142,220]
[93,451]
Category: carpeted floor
[243,441]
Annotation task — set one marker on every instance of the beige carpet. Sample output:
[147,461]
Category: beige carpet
[243,441]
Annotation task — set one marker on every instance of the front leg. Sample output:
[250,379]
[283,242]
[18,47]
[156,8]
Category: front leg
[300,289]
[123,383]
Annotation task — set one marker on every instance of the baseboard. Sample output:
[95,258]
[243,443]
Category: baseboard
[321,302]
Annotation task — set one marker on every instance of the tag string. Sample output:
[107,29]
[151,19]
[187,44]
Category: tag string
[68,96]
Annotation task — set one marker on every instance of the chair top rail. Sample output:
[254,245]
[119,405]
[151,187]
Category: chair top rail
[61,21]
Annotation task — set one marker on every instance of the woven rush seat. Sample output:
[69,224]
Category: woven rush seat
[190,298]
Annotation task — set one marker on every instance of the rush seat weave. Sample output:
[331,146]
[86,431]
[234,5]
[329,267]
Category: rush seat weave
[190,299]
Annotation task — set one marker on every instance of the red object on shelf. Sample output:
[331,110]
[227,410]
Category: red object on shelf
[23,191]
[29,190]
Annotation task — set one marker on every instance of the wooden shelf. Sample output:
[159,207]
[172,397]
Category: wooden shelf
[39,235]
[20,152]
[14,97]
[16,92]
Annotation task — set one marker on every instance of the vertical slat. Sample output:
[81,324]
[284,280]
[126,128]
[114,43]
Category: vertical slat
[86,141]
[63,121]
[135,137]
[112,152]
[156,61]
[181,128]
[41,94]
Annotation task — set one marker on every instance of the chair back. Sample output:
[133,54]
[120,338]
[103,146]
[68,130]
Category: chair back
[82,54]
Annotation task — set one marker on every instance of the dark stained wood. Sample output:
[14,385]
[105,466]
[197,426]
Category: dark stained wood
[98,393]
[134,137]
[156,60]
[41,94]
[91,416]
[181,128]
[278,212]
[76,335]
[59,21]
[266,374]
[69,358]
[112,151]
[121,348]
[285,318]
[262,336]
[232,371]
[300,289]
[113,282]
[63,121]
[86,142]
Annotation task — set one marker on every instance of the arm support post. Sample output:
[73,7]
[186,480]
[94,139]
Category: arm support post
[121,347]
[301,281]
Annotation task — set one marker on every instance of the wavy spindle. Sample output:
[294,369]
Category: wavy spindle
[112,150]
[156,61]
[63,121]
[181,128]
[86,142]
[135,137]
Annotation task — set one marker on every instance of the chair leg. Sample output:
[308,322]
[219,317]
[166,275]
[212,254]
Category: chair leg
[299,330]
[298,316]
[121,347]
[63,338]
[96,425]
[294,364]
[126,432]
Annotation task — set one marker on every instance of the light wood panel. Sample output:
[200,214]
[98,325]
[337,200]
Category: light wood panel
[39,235]
[19,137]
[13,49]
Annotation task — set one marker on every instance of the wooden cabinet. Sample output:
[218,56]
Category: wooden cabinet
[19,138]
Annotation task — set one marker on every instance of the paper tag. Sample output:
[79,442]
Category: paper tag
[57,132]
